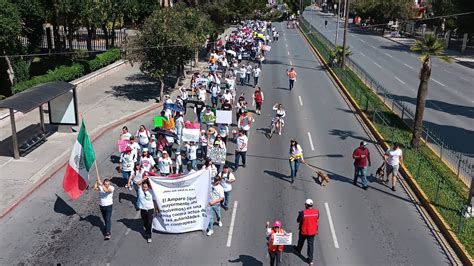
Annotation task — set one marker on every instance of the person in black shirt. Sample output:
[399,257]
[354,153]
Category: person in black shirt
[198,108]
[226,106]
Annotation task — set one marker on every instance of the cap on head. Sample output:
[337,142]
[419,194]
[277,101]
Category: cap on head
[145,149]
[309,202]
[277,224]
[363,143]
[165,152]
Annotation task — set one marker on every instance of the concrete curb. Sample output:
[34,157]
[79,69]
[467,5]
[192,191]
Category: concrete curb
[62,160]
[434,214]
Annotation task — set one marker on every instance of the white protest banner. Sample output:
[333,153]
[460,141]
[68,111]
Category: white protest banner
[223,117]
[190,134]
[282,239]
[183,202]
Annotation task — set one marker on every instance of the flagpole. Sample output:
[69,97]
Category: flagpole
[96,170]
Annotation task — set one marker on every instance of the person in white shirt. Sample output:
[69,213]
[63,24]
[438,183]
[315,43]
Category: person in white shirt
[191,152]
[224,64]
[248,70]
[179,125]
[146,161]
[393,159]
[106,192]
[183,93]
[223,132]
[202,93]
[147,205]
[125,135]
[178,162]
[143,136]
[228,179]
[241,150]
[136,148]
[215,92]
[164,164]
[243,74]
[126,163]
[245,121]
[203,144]
[227,96]
[217,196]
[209,165]
[256,75]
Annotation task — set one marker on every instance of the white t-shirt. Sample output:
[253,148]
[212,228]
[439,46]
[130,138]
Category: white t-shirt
[243,72]
[242,143]
[212,169]
[143,137]
[164,165]
[127,162]
[225,178]
[191,151]
[393,156]
[137,176]
[217,192]
[125,136]
[135,148]
[145,200]
[256,72]
[227,97]
[147,163]
[106,198]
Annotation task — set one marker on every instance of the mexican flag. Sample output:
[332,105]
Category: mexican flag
[82,157]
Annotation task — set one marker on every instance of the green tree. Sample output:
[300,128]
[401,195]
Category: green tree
[383,11]
[336,54]
[167,39]
[429,46]
[33,16]
[10,28]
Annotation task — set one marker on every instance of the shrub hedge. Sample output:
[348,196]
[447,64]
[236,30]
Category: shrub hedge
[68,73]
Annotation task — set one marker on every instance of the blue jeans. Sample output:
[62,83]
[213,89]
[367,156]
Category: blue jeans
[242,81]
[294,165]
[106,212]
[125,176]
[362,172]
[143,145]
[193,163]
[225,203]
[239,154]
[217,210]
[153,152]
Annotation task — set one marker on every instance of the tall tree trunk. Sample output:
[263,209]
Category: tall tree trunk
[162,89]
[420,103]
[57,39]
[106,35]
[70,37]
[10,71]
[113,33]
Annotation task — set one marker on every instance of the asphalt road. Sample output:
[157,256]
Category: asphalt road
[373,227]
[450,101]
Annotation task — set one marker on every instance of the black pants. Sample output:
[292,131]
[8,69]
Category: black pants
[292,83]
[255,81]
[301,240]
[239,154]
[185,103]
[275,257]
[248,78]
[147,218]
[106,212]
[258,106]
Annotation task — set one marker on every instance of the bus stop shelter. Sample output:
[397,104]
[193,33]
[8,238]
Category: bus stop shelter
[62,109]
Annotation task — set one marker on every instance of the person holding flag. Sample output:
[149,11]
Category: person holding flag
[106,191]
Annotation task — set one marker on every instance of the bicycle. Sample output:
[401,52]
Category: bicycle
[276,126]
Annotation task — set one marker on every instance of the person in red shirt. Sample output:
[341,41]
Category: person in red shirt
[308,225]
[361,157]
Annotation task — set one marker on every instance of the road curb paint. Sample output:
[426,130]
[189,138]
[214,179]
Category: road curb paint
[232,222]
[452,239]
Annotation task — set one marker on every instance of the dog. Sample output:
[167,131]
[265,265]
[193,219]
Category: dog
[323,177]
[380,173]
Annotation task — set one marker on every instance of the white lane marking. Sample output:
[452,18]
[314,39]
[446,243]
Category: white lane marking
[310,141]
[388,55]
[448,71]
[130,229]
[291,63]
[331,226]
[231,227]
[301,102]
[438,82]
[373,47]
[400,80]
[361,53]
[288,52]
[408,66]
[378,65]
[362,40]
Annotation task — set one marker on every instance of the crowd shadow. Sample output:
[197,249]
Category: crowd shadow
[135,225]
[95,221]
[136,92]
[344,134]
[127,197]
[246,260]
[62,207]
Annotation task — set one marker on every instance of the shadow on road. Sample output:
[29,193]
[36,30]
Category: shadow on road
[247,260]
[95,221]
[61,206]
[278,175]
[133,224]
[344,134]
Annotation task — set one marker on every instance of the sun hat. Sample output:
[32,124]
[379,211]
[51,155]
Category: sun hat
[309,202]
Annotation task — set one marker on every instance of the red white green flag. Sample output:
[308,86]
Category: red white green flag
[82,157]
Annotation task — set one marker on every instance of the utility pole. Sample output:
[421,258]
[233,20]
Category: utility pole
[346,25]
[337,24]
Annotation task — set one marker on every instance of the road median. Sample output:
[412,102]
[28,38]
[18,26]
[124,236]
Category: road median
[442,194]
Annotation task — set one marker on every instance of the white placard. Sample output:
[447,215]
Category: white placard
[190,134]
[183,202]
[282,239]
[62,109]
[223,117]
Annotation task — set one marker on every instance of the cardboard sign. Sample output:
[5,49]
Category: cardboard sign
[282,239]
[158,121]
[223,117]
[122,144]
[190,134]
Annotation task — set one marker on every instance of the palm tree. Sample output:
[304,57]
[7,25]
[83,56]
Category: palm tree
[336,54]
[429,46]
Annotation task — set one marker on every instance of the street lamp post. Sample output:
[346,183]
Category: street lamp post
[344,41]
[337,23]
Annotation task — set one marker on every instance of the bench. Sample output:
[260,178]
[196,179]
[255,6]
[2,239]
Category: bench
[31,143]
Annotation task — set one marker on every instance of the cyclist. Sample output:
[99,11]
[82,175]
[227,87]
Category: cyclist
[277,120]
